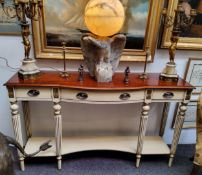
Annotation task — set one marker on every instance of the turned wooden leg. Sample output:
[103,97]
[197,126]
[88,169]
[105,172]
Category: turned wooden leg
[58,133]
[142,131]
[17,130]
[178,126]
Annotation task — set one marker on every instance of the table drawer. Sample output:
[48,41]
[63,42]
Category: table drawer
[33,93]
[168,95]
[102,96]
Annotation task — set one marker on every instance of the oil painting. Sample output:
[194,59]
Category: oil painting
[63,20]
[8,21]
[196,28]
[189,39]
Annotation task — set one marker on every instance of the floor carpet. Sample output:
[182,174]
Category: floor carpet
[110,163]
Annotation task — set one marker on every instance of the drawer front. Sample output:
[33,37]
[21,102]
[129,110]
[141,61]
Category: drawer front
[102,96]
[33,93]
[168,95]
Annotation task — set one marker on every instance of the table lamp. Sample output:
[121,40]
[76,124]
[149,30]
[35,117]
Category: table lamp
[26,9]
[103,47]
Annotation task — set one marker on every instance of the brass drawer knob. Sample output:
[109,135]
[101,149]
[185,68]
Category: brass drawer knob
[168,95]
[124,96]
[82,96]
[33,93]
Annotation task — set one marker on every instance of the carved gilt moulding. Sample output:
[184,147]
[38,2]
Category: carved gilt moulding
[44,51]
[191,40]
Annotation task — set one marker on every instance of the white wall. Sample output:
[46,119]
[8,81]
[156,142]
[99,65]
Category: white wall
[123,119]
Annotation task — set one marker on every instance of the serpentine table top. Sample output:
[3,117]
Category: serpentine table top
[53,79]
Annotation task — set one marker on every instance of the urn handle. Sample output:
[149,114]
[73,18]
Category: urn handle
[33,93]
[82,96]
[168,95]
[124,96]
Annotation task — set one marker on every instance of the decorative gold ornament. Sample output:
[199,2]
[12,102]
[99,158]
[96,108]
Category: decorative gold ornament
[104,17]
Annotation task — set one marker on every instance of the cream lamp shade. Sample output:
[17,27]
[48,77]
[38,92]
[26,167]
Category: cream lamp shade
[104,17]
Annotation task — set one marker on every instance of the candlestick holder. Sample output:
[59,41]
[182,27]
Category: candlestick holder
[144,75]
[180,22]
[25,9]
[64,73]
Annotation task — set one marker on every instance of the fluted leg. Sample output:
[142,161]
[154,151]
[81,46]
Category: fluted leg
[17,130]
[177,131]
[142,131]
[58,133]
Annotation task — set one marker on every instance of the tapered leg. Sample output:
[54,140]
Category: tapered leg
[58,133]
[178,126]
[142,131]
[17,130]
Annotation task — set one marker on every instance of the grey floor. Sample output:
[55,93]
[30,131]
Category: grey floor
[110,163]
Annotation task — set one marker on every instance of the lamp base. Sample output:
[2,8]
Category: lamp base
[28,70]
[169,73]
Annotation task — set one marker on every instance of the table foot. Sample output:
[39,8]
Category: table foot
[170,163]
[59,159]
[22,164]
[138,157]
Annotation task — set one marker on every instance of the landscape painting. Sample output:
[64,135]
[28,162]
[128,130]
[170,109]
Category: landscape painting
[64,22]
[8,21]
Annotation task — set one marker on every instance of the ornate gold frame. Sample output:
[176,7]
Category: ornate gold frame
[184,42]
[47,52]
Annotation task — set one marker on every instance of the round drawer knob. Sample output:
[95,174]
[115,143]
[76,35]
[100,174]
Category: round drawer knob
[82,96]
[33,93]
[168,95]
[124,96]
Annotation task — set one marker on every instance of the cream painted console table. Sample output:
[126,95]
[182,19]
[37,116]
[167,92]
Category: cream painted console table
[49,86]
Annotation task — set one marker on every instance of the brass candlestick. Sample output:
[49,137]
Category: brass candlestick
[64,74]
[180,23]
[25,9]
[144,75]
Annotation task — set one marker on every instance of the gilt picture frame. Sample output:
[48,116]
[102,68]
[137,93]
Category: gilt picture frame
[191,40]
[46,49]
[8,20]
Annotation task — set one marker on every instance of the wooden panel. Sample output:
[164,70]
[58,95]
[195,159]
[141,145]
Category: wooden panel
[152,144]
[161,95]
[102,96]
[53,79]
[23,93]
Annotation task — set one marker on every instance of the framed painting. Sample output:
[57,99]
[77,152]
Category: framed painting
[194,74]
[8,21]
[63,21]
[191,39]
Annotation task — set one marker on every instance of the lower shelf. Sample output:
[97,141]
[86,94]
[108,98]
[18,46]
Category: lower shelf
[152,144]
